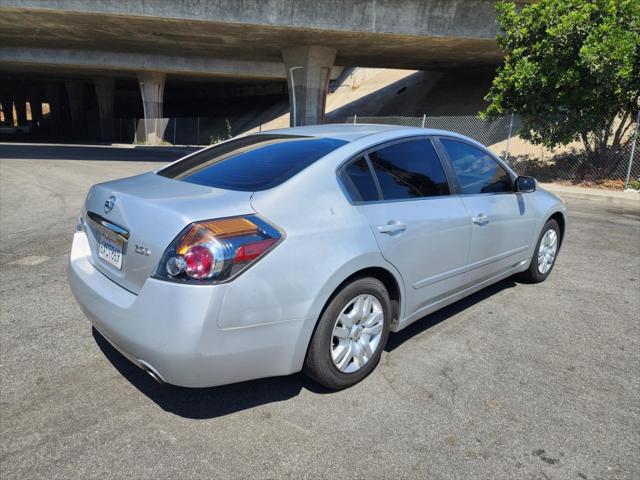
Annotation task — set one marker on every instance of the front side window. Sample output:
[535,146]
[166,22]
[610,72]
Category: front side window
[409,169]
[252,163]
[477,172]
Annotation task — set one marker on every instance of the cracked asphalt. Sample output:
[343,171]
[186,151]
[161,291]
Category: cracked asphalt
[517,381]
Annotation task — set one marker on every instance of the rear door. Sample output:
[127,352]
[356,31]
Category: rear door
[402,189]
[502,221]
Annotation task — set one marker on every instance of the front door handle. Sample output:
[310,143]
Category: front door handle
[392,228]
[481,219]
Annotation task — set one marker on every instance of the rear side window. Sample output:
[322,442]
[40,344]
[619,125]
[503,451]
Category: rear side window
[409,169]
[252,163]
[477,172]
[359,173]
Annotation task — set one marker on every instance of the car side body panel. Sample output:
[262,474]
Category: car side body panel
[343,243]
[502,236]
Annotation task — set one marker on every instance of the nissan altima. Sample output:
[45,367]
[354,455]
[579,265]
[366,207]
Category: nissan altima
[302,249]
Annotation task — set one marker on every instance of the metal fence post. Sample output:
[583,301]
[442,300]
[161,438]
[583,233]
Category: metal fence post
[355,118]
[633,151]
[424,119]
[175,121]
[506,153]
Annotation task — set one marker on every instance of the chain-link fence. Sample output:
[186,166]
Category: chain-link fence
[609,160]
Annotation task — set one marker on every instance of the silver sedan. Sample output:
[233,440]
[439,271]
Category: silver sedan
[302,249]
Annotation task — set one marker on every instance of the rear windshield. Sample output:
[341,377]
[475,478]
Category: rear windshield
[252,163]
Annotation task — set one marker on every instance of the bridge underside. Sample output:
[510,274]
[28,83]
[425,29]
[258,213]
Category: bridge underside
[407,34]
[295,45]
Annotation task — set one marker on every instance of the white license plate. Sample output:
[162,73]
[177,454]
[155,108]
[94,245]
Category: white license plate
[111,250]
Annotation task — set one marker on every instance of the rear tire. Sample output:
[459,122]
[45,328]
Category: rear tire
[356,322]
[544,255]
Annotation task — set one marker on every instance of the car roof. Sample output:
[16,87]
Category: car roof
[340,131]
[350,132]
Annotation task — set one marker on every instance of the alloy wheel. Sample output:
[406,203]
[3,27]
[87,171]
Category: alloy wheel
[357,332]
[547,251]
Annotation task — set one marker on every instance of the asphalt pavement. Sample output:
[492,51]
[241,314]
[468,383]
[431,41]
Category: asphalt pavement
[517,381]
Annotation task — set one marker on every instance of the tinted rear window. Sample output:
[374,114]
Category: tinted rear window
[256,162]
[359,174]
[409,169]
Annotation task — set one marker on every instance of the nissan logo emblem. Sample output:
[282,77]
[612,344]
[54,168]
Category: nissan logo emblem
[109,203]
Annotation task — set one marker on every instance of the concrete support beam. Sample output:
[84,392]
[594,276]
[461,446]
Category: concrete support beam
[75,93]
[105,88]
[95,61]
[472,18]
[152,91]
[308,71]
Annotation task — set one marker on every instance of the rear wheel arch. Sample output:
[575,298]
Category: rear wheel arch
[388,279]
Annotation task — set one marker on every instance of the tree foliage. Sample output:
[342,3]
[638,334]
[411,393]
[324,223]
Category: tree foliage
[571,71]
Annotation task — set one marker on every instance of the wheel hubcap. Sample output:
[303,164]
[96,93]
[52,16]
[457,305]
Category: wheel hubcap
[547,251]
[356,333]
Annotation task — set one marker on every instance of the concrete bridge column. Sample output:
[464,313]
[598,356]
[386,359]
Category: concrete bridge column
[308,70]
[53,96]
[105,88]
[75,93]
[152,91]
[35,102]
[7,110]
[20,103]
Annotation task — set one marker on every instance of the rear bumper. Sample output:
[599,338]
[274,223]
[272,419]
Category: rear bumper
[173,328]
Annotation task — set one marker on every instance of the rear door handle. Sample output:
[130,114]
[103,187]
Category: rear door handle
[392,228]
[481,219]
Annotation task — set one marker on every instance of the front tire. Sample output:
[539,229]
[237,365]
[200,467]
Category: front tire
[350,336]
[545,254]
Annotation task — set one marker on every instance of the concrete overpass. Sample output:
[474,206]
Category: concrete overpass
[252,40]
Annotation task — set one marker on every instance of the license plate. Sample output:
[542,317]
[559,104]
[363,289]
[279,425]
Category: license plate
[111,250]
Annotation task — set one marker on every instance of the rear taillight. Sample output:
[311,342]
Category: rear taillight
[214,251]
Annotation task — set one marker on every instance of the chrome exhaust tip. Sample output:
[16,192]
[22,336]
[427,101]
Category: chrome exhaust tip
[153,375]
[151,371]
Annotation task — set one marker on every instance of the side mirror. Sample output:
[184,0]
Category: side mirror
[525,184]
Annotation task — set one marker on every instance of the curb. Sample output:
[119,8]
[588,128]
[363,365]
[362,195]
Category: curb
[626,199]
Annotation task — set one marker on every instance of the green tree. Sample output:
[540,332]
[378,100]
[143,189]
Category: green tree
[571,71]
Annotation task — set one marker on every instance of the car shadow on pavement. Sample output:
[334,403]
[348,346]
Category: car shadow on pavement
[206,403]
[425,323]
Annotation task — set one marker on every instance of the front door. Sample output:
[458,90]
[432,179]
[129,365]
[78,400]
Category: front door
[502,221]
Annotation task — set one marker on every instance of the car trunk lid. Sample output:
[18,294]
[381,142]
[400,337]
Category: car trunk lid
[142,215]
